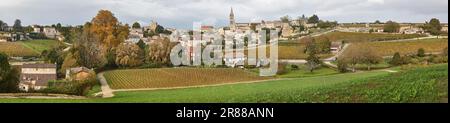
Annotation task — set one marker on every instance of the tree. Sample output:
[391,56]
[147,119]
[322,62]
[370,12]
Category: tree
[136,25]
[360,53]
[5,68]
[433,27]
[314,19]
[313,61]
[97,38]
[159,51]
[421,52]
[129,55]
[9,77]
[285,19]
[141,44]
[342,66]
[396,60]
[378,22]
[17,27]
[391,27]
[3,26]
[69,62]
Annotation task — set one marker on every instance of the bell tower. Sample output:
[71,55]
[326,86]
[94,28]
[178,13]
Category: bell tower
[232,20]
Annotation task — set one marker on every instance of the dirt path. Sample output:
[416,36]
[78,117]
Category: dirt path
[107,92]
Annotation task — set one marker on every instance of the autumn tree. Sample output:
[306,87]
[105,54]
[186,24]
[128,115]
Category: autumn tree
[360,53]
[285,19]
[129,55]
[159,51]
[98,38]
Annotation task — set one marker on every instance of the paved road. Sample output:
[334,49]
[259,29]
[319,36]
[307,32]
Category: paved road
[107,92]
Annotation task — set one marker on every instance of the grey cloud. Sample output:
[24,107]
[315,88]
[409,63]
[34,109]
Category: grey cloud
[181,13]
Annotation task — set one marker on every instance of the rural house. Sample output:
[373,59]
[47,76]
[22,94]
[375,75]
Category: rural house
[335,47]
[36,76]
[78,73]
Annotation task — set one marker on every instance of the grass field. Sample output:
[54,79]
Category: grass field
[425,84]
[303,72]
[26,48]
[177,77]
[364,37]
[40,45]
[409,47]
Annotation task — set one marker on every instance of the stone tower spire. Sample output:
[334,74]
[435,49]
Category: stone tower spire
[232,20]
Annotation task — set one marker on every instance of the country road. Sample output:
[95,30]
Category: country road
[107,92]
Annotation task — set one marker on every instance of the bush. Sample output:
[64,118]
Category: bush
[281,68]
[294,67]
[396,60]
[80,88]
[342,66]
[421,52]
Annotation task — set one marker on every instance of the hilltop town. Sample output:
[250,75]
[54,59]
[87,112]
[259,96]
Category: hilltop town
[105,57]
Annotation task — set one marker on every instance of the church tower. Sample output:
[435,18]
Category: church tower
[232,20]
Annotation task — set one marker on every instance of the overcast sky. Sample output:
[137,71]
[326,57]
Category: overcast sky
[182,13]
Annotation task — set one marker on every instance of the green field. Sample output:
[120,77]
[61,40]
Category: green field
[303,72]
[40,45]
[429,84]
[26,48]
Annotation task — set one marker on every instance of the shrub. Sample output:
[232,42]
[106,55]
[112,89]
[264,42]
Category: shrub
[281,68]
[342,66]
[294,67]
[421,52]
[396,60]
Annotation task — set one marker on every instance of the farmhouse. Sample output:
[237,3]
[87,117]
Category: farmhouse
[78,73]
[36,76]
[335,47]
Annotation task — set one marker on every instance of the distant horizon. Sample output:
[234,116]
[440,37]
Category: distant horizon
[172,14]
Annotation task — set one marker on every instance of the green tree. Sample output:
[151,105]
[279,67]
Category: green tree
[396,60]
[378,22]
[5,68]
[313,19]
[421,52]
[9,77]
[17,27]
[136,25]
[141,44]
[433,27]
[313,61]
[391,27]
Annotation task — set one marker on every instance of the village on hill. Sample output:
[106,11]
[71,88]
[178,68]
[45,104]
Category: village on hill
[104,58]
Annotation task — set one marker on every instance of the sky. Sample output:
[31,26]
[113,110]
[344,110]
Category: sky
[183,13]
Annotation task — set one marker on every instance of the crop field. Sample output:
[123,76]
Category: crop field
[177,77]
[423,84]
[26,48]
[292,51]
[17,49]
[409,47]
[40,45]
[364,37]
